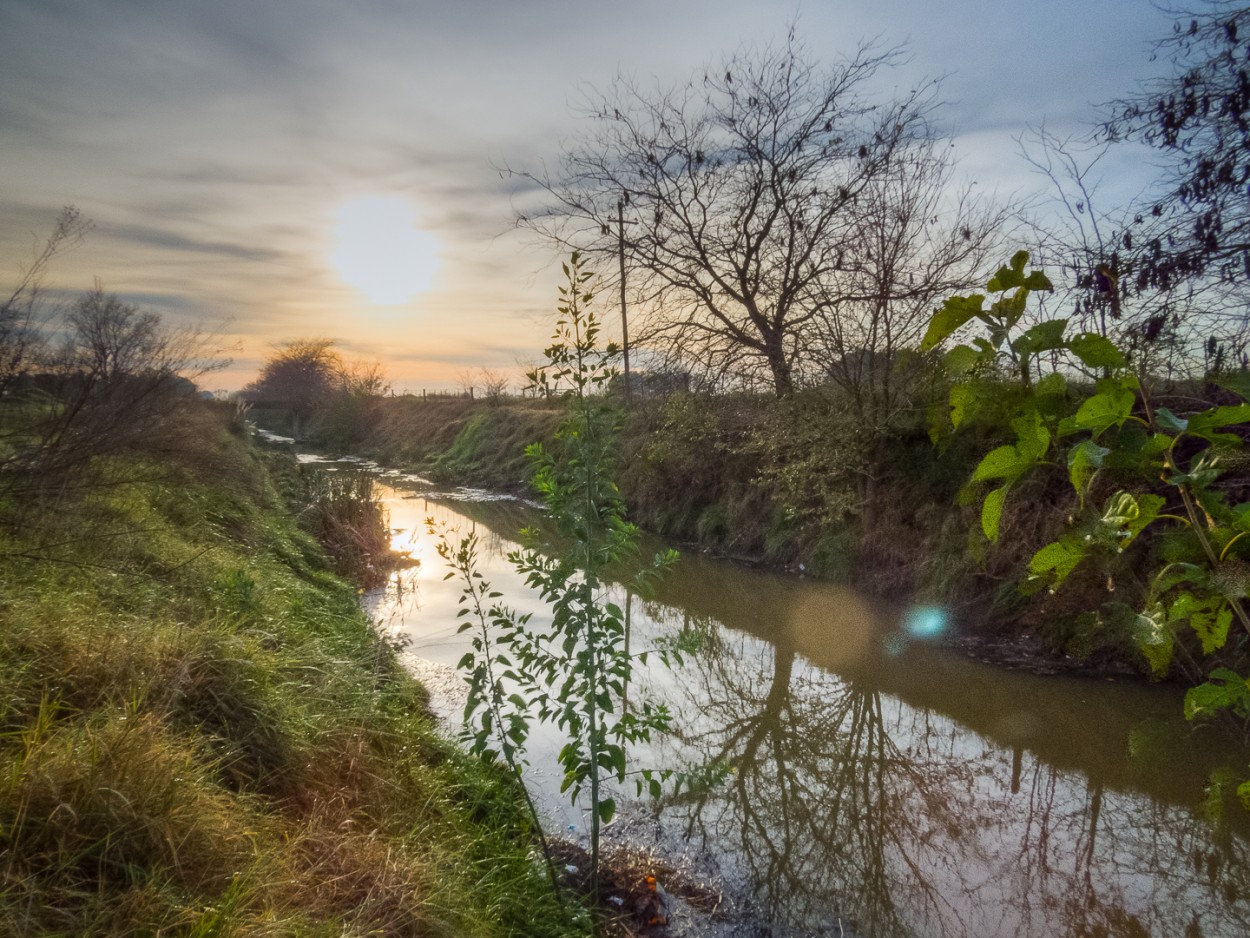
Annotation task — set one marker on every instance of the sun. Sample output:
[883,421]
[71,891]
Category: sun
[380,250]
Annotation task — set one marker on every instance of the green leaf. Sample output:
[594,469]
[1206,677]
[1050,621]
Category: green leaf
[1169,421]
[1010,462]
[1224,688]
[1096,351]
[1008,277]
[1205,470]
[1003,462]
[1155,640]
[962,359]
[1109,408]
[954,313]
[1213,630]
[992,511]
[1174,574]
[1032,436]
[607,809]
[1052,385]
[1038,281]
[1127,516]
[1241,516]
[1057,559]
[1216,417]
[963,399]
[1243,794]
[1084,460]
[1043,337]
[1209,617]
[1238,383]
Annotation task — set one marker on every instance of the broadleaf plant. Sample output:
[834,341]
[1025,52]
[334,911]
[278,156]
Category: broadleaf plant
[1167,466]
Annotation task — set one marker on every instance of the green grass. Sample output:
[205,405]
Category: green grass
[200,733]
[460,440]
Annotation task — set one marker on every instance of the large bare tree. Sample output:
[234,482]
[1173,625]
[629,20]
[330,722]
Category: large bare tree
[917,237]
[739,192]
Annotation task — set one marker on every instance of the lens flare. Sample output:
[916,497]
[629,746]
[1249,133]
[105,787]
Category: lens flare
[925,621]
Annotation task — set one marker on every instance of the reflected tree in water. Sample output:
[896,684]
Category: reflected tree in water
[842,804]
[806,799]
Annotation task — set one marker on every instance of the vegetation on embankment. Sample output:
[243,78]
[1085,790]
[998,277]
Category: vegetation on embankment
[801,484]
[790,483]
[200,732]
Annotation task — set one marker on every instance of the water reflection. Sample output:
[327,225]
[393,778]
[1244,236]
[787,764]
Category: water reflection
[847,805]
[876,785]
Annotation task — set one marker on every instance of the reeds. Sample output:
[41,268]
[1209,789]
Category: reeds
[346,516]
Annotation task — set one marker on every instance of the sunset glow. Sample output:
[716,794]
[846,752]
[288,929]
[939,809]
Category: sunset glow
[325,169]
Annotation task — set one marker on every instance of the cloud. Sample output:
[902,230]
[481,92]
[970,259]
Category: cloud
[167,240]
[213,142]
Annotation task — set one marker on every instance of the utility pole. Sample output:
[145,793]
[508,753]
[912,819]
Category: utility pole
[620,246]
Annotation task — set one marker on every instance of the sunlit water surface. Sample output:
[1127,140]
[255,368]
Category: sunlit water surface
[874,783]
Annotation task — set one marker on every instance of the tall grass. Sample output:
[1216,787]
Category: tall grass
[201,734]
[345,515]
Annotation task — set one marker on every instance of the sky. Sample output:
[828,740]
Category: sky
[269,171]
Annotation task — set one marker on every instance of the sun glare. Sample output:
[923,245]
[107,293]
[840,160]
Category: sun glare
[381,252]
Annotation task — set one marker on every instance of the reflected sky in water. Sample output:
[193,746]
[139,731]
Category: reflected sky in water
[869,780]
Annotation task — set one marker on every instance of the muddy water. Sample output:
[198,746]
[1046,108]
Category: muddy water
[870,782]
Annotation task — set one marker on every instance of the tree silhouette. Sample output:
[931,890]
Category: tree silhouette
[744,194]
[300,376]
[1199,234]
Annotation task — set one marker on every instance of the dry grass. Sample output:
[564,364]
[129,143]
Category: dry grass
[346,516]
[469,442]
[200,734]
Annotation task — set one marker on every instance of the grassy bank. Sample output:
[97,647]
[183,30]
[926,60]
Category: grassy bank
[801,484]
[786,483]
[201,734]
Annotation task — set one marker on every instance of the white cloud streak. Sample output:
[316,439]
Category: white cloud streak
[212,143]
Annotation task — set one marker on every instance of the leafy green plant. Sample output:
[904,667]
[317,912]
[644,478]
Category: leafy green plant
[496,711]
[1167,469]
[572,670]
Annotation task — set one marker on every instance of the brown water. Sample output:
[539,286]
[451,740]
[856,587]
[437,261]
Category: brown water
[874,783]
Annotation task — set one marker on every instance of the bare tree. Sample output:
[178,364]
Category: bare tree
[494,384]
[1081,234]
[1098,253]
[917,238]
[299,376]
[112,387]
[110,338]
[1195,238]
[18,312]
[739,191]
[364,379]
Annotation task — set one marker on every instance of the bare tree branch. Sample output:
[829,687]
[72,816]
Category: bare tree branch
[740,189]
